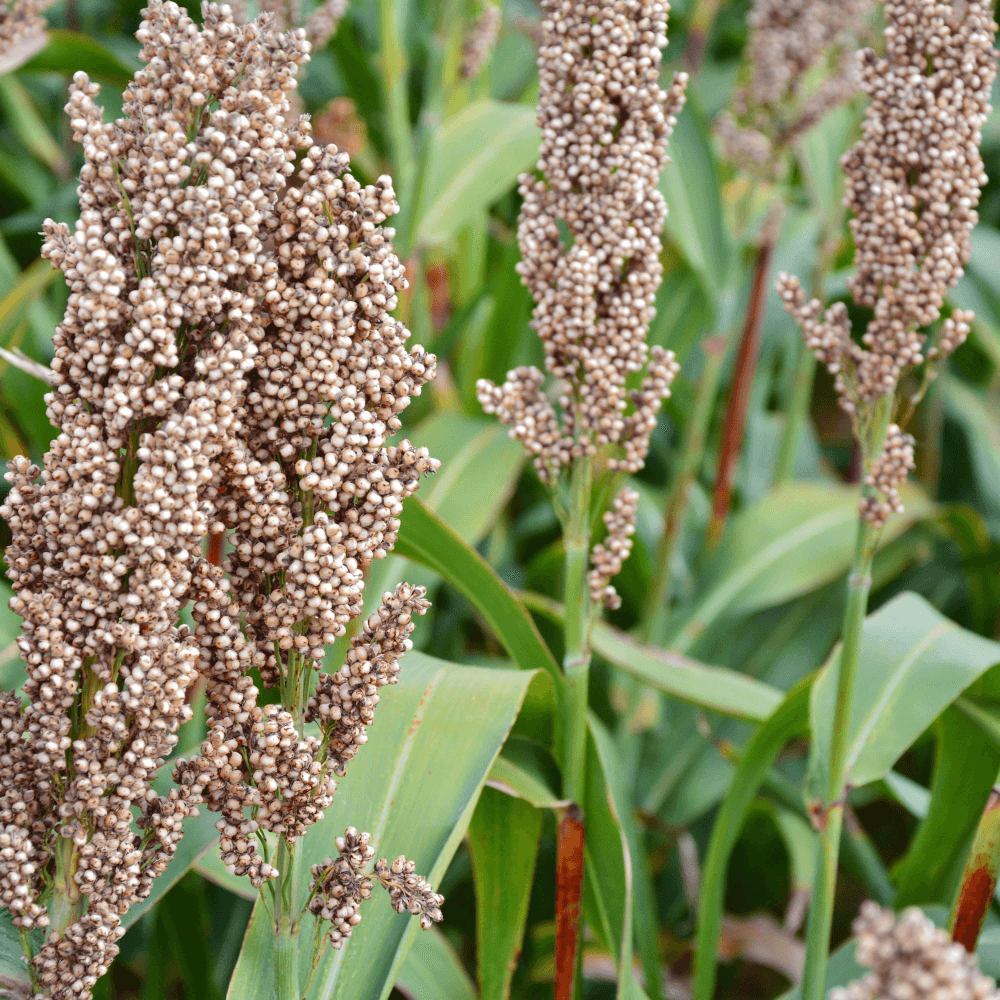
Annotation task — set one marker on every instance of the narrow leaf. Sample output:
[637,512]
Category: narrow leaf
[716,688]
[477,156]
[69,51]
[965,767]
[503,842]
[426,539]
[432,971]
[916,663]
[798,538]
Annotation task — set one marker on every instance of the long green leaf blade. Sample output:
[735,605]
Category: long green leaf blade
[426,539]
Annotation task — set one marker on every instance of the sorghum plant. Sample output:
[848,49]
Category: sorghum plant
[913,184]
[605,123]
[227,373]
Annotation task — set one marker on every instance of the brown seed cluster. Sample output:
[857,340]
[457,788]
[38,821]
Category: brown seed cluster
[227,366]
[344,703]
[479,42]
[910,959]
[340,886]
[888,473]
[589,235]
[913,183]
[789,40]
[22,31]
[608,557]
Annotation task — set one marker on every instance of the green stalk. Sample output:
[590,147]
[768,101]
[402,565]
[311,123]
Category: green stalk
[576,656]
[979,879]
[859,583]
[679,497]
[286,945]
[67,905]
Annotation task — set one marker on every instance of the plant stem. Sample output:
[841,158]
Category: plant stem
[679,497]
[576,671]
[832,817]
[286,944]
[66,905]
[576,655]
[979,879]
[743,376]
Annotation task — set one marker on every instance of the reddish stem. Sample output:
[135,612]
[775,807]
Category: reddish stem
[743,376]
[569,886]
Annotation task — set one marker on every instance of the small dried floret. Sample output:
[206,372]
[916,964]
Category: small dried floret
[339,886]
[889,472]
[22,31]
[607,557]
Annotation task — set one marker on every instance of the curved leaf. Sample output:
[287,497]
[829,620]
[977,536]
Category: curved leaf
[965,768]
[790,720]
[414,789]
[69,51]
[798,538]
[690,185]
[916,663]
[426,539]
[432,971]
[717,688]
[476,157]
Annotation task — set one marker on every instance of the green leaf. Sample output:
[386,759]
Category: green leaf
[477,156]
[964,771]
[480,466]
[526,770]
[426,539]
[13,968]
[432,971]
[721,690]
[503,842]
[800,842]
[28,125]
[915,662]
[69,51]
[26,288]
[979,417]
[436,736]
[200,839]
[798,538]
[789,720]
[609,876]
[690,185]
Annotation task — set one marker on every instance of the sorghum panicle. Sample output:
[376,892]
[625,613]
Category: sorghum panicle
[605,122]
[226,364]
[913,184]
[788,39]
[340,885]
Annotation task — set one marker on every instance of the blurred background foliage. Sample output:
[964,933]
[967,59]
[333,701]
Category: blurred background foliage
[767,601]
